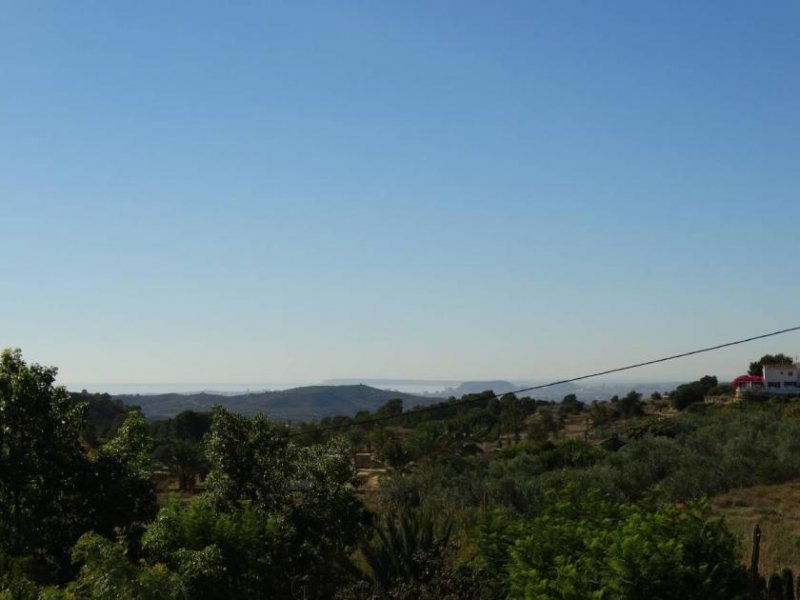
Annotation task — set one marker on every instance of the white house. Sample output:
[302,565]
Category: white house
[777,380]
[782,379]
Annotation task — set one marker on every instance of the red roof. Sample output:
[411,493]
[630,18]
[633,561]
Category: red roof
[746,378]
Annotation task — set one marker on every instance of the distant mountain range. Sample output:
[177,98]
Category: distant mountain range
[311,403]
[297,404]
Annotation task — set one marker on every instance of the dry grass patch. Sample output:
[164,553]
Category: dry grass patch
[776,509]
[577,426]
[370,480]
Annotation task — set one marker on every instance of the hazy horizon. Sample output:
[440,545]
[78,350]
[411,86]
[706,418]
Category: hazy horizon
[406,386]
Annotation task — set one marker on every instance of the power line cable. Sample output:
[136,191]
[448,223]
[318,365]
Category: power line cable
[460,403]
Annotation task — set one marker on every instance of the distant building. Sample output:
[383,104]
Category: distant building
[777,379]
[782,379]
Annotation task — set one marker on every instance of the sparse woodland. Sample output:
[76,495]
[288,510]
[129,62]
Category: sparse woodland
[479,497]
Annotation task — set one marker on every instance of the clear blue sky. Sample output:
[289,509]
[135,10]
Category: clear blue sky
[256,192]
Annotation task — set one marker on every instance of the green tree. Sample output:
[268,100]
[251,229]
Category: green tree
[685,395]
[105,415]
[51,487]
[394,454]
[431,440]
[571,405]
[43,467]
[600,413]
[512,417]
[548,423]
[184,459]
[277,519]
[631,405]
[122,494]
[392,408]
[191,425]
[690,393]
[215,554]
[107,574]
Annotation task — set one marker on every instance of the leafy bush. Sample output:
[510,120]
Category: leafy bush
[627,552]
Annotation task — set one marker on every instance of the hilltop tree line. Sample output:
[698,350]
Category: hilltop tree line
[480,497]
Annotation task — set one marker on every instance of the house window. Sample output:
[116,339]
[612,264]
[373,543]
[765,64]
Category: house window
[774,384]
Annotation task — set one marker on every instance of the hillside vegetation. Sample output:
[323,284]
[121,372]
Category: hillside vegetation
[483,497]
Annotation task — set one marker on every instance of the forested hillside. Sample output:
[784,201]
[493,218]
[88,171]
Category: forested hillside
[487,496]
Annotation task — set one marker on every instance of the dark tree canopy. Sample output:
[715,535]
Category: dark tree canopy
[43,467]
[631,405]
[52,487]
[691,393]
[392,408]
